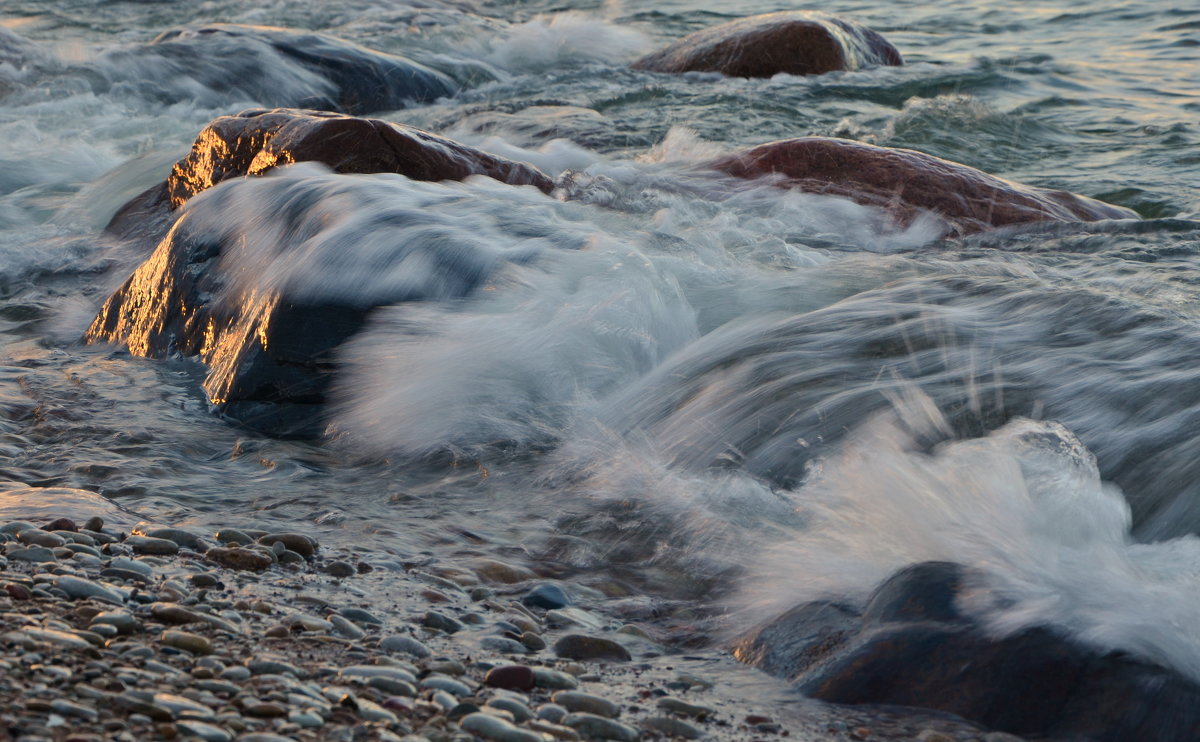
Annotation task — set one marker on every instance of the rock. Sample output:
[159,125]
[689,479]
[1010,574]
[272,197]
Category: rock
[911,647]
[271,357]
[519,711]
[203,731]
[680,706]
[68,708]
[339,569]
[404,645]
[447,684]
[32,554]
[32,637]
[442,622]
[511,677]
[495,728]
[193,643]
[548,596]
[553,679]
[360,616]
[242,62]
[583,647]
[590,725]
[362,672]
[270,666]
[236,558]
[182,707]
[150,545]
[669,727]
[795,42]
[186,539]
[77,588]
[233,536]
[906,184]
[297,542]
[123,622]
[346,628]
[494,570]
[38,537]
[61,524]
[573,700]
[132,565]
[503,645]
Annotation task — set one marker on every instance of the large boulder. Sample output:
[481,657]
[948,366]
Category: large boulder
[276,67]
[912,647]
[907,183]
[269,349]
[795,42]
[255,141]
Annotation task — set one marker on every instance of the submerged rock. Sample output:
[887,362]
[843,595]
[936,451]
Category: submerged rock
[912,647]
[795,42]
[907,183]
[270,351]
[278,67]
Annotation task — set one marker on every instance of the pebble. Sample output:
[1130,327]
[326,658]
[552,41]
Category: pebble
[38,537]
[590,725]
[446,683]
[236,673]
[371,711]
[151,545]
[32,554]
[441,621]
[233,536]
[1001,737]
[553,679]
[297,542]
[573,700]
[269,666]
[399,644]
[77,588]
[494,570]
[61,524]
[360,616]
[584,647]
[340,569]
[237,558]
[32,636]
[551,712]
[181,707]
[554,730]
[120,620]
[67,708]
[548,596]
[519,711]
[571,616]
[306,719]
[186,539]
[679,706]
[132,565]
[206,732]
[193,643]
[503,645]
[346,628]
[511,677]
[376,671]
[533,642]
[394,686]
[670,727]
[493,727]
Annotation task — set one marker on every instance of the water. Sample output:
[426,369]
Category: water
[724,394]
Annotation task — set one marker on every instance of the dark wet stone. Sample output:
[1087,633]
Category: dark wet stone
[61,524]
[512,677]
[906,183]
[228,58]
[548,596]
[94,524]
[583,647]
[441,621]
[186,539]
[150,545]
[235,558]
[339,568]
[913,648]
[297,542]
[32,554]
[795,42]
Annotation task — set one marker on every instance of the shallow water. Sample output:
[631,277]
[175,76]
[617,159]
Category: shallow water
[730,395]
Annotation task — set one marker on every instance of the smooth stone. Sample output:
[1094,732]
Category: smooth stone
[306,719]
[233,536]
[265,710]
[448,684]
[35,636]
[441,621]
[32,554]
[120,620]
[398,644]
[532,641]
[237,558]
[183,707]
[503,645]
[68,708]
[268,666]
[78,588]
[394,686]
[554,730]
[669,727]
[38,537]
[61,524]
[360,616]
[511,677]
[138,705]
[14,527]
[590,725]
[149,545]
[495,728]
[583,647]
[494,570]
[519,711]
[95,523]
[186,539]
[553,679]
[339,569]
[573,700]
[84,549]
[371,711]
[346,628]
[548,596]
[132,565]
[297,542]
[175,613]
[193,643]
[551,712]
[206,732]
[376,671]
[679,706]
[571,616]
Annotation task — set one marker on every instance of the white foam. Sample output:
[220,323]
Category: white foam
[563,39]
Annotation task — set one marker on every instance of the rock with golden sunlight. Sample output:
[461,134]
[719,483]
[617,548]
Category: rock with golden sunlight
[912,646]
[791,42]
[907,184]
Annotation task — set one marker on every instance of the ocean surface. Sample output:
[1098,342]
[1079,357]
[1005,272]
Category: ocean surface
[737,400]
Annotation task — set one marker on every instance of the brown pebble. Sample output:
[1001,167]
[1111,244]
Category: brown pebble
[364,568]
[583,647]
[339,569]
[510,677]
[17,591]
[297,542]
[61,524]
[860,733]
[235,558]
[95,523]
[758,719]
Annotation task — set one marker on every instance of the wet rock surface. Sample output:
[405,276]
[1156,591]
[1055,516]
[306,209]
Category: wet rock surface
[271,355]
[912,647]
[792,42]
[906,184]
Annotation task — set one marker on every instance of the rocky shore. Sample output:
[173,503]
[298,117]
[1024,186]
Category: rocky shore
[163,633]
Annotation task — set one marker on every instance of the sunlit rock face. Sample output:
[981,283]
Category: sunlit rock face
[908,183]
[214,288]
[794,42]
[254,141]
[287,67]
[911,646]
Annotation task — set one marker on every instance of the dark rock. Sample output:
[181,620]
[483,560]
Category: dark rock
[548,596]
[583,647]
[297,542]
[271,355]
[279,67]
[795,42]
[61,524]
[913,648]
[246,559]
[907,183]
[511,677]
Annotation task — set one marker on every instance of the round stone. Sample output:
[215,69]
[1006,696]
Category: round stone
[512,677]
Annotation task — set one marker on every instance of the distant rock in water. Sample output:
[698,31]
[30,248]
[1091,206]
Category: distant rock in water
[269,349]
[906,183]
[280,67]
[254,141]
[911,647]
[795,42]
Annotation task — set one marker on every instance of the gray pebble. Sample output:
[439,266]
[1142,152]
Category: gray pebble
[590,725]
[553,679]
[520,712]
[149,545]
[678,706]
[32,554]
[398,644]
[268,666]
[306,719]
[38,537]
[235,673]
[133,565]
[551,712]
[186,539]
[339,569]
[495,728]
[503,645]
[79,711]
[670,727]
[122,621]
[436,620]
[346,628]
[446,683]
[360,616]
[206,732]
[574,700]
[362,672]
[78,588]
[233,536]
[394,686]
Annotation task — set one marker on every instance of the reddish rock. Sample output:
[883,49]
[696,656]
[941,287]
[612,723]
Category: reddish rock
[907,183]
[61,524]
[795,42]
[246,559]
[17,591]
[511,677]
